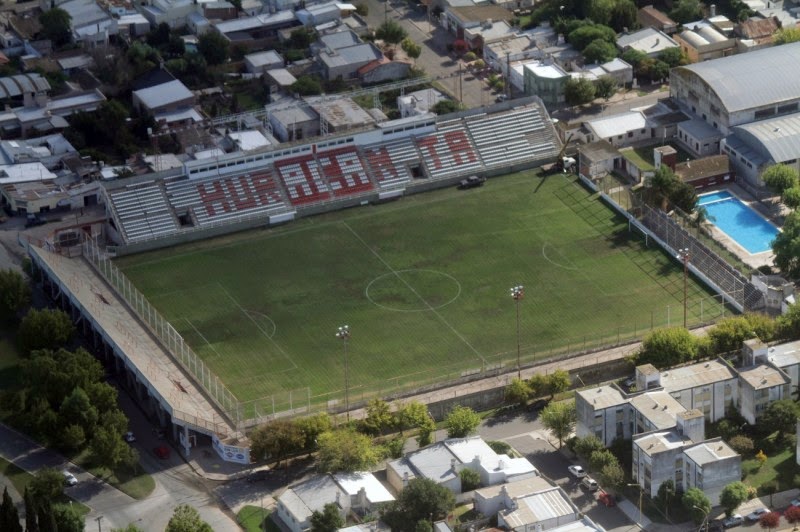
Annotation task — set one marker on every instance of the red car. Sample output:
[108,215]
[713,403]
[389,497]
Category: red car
[606,499]
[162,451]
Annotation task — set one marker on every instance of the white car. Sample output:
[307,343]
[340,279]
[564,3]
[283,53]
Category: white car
[576,471]
[795,502]
[756,514]
[129,437]
[589,483]
[69,478]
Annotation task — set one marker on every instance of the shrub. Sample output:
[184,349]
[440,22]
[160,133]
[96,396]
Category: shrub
[500,447]
[470,56]
[470,480]
[742,445]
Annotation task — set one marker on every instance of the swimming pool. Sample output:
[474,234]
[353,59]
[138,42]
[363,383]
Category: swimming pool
[744,225]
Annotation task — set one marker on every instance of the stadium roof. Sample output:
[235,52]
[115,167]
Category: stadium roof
[755,79]
[780,136]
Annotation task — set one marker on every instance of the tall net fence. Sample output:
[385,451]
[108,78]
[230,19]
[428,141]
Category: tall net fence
[170,339]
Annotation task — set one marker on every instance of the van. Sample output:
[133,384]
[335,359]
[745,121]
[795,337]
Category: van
[590,484]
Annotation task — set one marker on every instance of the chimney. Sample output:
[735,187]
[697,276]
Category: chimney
[501,465]
[713,10]
[405,479]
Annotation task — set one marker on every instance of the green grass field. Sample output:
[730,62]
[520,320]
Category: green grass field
[424,285]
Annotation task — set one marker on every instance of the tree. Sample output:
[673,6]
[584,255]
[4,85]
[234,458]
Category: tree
[470,480]
[445,107]
[56,26]
[345,450]
[558,382]
[328,520]
[684,196]
[44,329]
[634,57]
[624,15]
[791,197]
[696,504]
[47,484]
[15,293]
[769,520]
[518,392]
[78,410]
[780,177]
[415,415]
[311,427]
[276,440]
[732,496]
[582,36]
[213,47]
[728,335]
[742,445]
[421,499]
[306,85]
[185,518]
[673,57]
[411,48]
[781,416]
[792,515]
[584,447]
[379,417]
[130,528]
[601,458]
[362,9]
[665,495]
[394,447]
[461,422]
[301,38]
[788,324]
[107,448]
[31,523]
[599,51]
[786,247]
[786,36]
[9,518]
[423,526]
[44,516]
[686,11]
[68,517]
[611,476]
[560,419]
[761,457]
[578,91]
[605,87]
[667,347]
[391,32]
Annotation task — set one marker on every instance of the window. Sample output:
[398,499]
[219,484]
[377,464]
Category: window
[788,108]
[630,134]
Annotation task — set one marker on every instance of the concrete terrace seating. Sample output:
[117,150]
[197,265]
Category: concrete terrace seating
[448,151]
[143,212]
[302,180]
[344,171]
[519,135]
[388,161]
[215,200]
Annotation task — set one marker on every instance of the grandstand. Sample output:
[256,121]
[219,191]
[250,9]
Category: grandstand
[336,170]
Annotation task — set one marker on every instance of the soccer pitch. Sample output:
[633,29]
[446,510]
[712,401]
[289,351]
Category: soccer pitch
[423,284]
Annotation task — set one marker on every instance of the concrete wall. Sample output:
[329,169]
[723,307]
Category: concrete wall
[715,476]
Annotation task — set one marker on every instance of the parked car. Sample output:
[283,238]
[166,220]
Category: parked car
[630,382]
[33,220]
[471,182]
[732,521]
[129,437]
[576,471]
[606,499]
[162,451]
[501,98]
[795,502]
[756,514]
[69,478]
[589,483]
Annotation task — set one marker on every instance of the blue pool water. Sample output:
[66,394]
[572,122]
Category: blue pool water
[744,225]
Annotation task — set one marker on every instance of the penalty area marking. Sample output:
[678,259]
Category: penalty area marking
[554,263]
[428,307]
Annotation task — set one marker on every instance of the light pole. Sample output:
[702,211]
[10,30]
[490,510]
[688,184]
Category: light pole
[683,254]
[641,494]
[517,293]
[98,519]
[343,333]
[705,516]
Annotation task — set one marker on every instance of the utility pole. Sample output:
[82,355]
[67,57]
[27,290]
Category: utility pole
[98,519]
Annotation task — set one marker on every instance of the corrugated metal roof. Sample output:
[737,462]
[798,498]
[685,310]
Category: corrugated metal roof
[164,94]
[754,79]
[13,86]
[779,136]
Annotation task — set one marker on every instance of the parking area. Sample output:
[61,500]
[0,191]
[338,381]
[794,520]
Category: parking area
[553,465]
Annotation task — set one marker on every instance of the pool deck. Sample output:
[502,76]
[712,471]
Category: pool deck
[765,258]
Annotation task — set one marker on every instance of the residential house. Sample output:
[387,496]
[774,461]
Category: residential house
[419,102]
[175,13]
[342,54]
[621,129]
[383,70]
[597,159]
[219,10]
[785,356]
[317,14]
[170,102]
[258,31]
[297,504]
[457,19]
[91,25]
[648,40]
[366,492]
[260,62]
[491,499]
[756,33]
[543,510]
[293,122]
[489,31]
[443,461]
[499,54]
[650,17]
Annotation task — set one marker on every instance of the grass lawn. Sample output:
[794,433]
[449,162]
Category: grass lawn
[780,465]
[137,486]
[636,158]
[20,479]
[423,283]
[252,519]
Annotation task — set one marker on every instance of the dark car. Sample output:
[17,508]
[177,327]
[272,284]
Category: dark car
[162,451]
[33,221]
[471,182]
